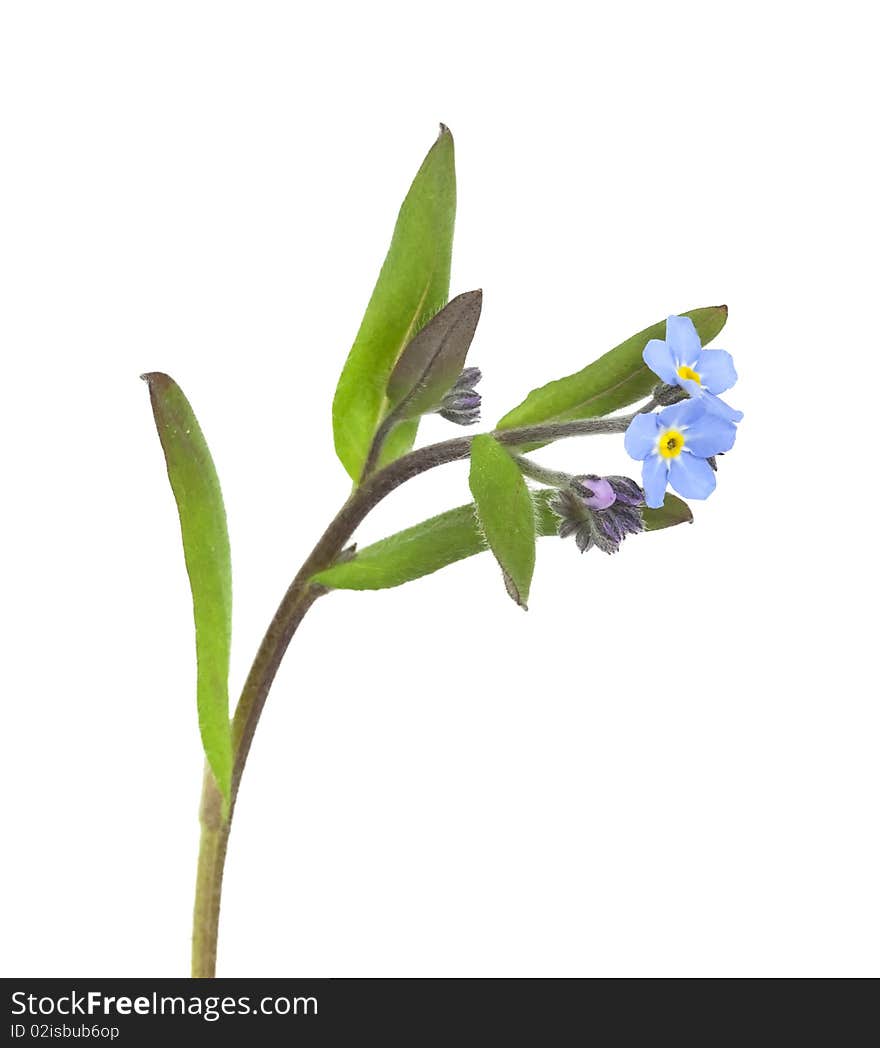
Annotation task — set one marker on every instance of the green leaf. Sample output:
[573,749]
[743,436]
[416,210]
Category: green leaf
[206,552]
[673,511]
[618,378]
[450,537]
[506,514]
[412,286]
[433,360]
[409,554]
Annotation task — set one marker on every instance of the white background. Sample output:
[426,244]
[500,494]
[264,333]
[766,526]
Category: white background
[668,766]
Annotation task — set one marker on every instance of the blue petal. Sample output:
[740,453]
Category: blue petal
[641,436]
[683,340]
[659,359]
[654,477]
[710,435]
[716,406]
[682,415]
[691,476]
[716,370]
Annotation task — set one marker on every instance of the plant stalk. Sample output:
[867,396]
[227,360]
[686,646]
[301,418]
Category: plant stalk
[209,879]
[551,477]
[300,596]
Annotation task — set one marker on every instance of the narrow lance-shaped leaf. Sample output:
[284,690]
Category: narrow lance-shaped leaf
[505,512]
[452,536]
[206,552]
[433,360]
[617,379]
[412,286]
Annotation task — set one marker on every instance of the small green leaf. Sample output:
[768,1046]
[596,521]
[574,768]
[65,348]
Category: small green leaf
[673,511]
[450,537]
[206,552]
[505,510]
[433,360]
[612,382]
[409,554]
[413,285]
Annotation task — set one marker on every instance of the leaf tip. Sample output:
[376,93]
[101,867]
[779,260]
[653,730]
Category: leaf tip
[513,591]
[156,378]
[444,144]
[473,299]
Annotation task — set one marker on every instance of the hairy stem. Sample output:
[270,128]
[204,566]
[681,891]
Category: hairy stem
[553,478]
[300,596]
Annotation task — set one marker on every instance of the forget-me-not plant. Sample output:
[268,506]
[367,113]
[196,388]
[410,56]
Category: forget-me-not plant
[408,360]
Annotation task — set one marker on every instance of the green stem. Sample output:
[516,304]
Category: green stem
[553,478]
[215,828]
[209,879]
[300,596]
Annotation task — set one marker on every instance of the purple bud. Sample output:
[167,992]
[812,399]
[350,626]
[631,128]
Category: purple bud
[608,523]
[601,492]
[584,537]
[460,418]
[628,518]
[461,404]
[468,378]
[627,491]
[462,401]
[599,511]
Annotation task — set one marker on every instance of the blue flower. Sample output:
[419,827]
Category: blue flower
[674,445]
[682,361]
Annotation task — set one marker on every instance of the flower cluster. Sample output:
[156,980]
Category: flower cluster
[599,511]
[677,445]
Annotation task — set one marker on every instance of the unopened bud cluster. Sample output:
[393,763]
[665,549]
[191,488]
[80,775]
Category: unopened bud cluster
[599,511]
[461,404]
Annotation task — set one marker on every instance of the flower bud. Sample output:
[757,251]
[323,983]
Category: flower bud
[461,404]
[595,491]
[627,491]
[599,511]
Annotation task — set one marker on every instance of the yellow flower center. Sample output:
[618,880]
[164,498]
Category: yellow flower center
[670,444]
[685,372]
